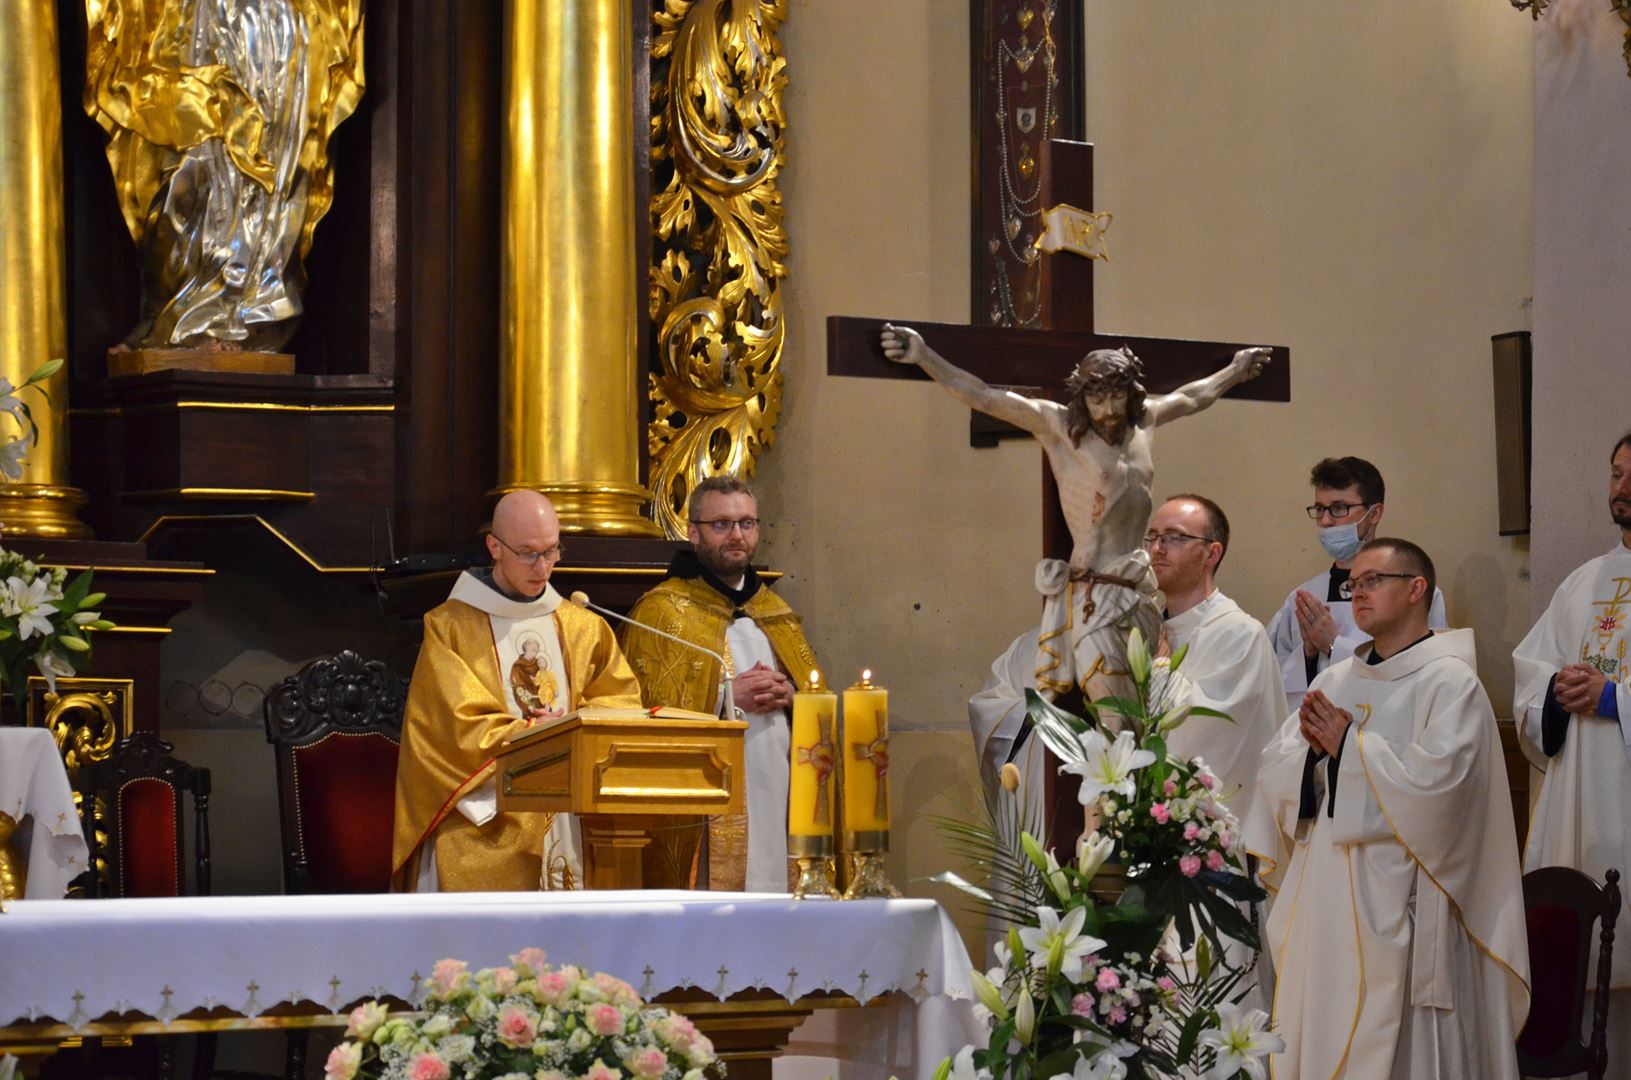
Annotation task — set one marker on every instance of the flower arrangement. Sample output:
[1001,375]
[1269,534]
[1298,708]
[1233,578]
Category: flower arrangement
[45,620]
[1114,962]
[524,1021]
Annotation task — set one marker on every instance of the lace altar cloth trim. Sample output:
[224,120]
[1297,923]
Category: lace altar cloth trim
[73,961]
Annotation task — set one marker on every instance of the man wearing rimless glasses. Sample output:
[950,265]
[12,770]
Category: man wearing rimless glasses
[1315,627]
[714,598]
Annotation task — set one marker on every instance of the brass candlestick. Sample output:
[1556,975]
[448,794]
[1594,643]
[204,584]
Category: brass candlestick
[814,855]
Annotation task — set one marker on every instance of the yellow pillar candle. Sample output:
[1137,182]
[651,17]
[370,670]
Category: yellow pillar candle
[866,757]
[809,794]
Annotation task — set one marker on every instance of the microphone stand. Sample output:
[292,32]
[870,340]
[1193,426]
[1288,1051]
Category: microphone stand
[582,600]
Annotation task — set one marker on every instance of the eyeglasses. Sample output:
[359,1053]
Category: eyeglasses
[1171,539]
[1335,510]
[530,558]
[723,526]
[1370,582]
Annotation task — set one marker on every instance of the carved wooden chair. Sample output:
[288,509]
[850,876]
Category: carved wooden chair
[139,789]
[336,726]
[1560,905]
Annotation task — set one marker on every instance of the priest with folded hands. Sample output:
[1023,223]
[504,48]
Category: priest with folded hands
[1398,930]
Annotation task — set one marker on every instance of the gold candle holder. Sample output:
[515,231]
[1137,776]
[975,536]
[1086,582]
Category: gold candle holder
[814,855]
[864,852]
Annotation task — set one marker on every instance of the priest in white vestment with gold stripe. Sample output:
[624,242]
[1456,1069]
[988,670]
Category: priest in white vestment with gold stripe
[1573,713]
[1398,931]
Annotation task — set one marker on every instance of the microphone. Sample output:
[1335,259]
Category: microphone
[581,599]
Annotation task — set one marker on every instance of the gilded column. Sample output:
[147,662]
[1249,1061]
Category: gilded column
[569,371]
[33,308]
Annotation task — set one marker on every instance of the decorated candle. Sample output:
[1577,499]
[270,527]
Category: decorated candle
[866,757]
[809,794]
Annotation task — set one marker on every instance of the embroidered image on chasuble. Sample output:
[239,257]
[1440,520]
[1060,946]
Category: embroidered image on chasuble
[463,704]
[671,674]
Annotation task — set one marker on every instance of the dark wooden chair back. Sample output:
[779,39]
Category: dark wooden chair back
[141,785]
[336,726]
[1561,905]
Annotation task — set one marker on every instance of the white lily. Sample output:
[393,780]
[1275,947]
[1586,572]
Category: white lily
[12,452]
[1062,938]
[52,667]
[962,1067]
[1106,766]
[1024,1017]
[1105,1065]
[1138,656]
[29,605]
[987,994]
[1242,1040]
[1171,695]
[1092,852]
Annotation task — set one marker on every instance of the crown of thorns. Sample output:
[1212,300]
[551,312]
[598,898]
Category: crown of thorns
[1106,369]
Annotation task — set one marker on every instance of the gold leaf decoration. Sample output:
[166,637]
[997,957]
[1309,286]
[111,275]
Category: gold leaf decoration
[719,248]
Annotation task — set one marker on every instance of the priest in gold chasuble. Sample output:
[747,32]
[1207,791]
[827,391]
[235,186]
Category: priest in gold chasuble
[502,653]
[713,597]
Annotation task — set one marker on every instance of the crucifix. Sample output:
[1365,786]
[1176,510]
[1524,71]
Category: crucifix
[1037,308]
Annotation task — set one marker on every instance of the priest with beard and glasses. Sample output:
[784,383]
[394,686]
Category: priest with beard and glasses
[1398,932]
[1573,714]
[713,597]
[502,653]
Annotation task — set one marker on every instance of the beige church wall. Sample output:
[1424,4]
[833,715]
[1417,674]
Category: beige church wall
[1582,397]
[1350,180]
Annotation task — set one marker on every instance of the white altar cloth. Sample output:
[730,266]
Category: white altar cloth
[75,960]
[34,784]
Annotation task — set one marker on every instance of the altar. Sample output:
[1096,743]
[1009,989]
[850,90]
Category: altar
[892,974]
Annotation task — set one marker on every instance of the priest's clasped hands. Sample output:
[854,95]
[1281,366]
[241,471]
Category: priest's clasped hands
[1322,723]
[1319,630]
[1579,689]
[763,689]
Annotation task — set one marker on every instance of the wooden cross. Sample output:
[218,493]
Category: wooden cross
[1038,315]
[1027,80]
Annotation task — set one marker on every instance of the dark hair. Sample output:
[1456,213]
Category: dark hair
[1625,440]
[1341,472]
[1415,560]
[1217,522]
[1104,370]
[716,485]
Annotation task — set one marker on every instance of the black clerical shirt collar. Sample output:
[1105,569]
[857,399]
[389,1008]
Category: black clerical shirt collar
[685,564]
[1375,657]
[485,576]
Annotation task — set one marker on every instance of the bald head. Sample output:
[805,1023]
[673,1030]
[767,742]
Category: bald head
[525,543]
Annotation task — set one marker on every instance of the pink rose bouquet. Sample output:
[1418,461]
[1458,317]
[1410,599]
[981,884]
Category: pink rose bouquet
[523,1019]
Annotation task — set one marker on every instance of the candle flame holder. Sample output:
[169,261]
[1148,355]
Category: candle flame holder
[814,855]
[867,879]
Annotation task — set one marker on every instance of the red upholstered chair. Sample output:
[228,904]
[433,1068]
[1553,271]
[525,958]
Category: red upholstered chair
[1560,906]
[141,786]
[336,726]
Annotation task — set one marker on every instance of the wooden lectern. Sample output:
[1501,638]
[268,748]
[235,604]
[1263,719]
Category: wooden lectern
[626,773]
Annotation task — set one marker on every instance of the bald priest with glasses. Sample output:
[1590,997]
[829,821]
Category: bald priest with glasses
[713,597]
[502,653]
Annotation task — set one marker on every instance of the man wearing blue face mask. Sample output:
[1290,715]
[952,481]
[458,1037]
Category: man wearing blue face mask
[1315,627]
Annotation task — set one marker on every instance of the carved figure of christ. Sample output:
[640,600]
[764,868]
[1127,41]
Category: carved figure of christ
[1104,467]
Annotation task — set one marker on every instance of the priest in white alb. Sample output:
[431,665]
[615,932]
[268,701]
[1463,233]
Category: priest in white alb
[1573,713]
[1003,734]
[1398,931]
[1229,663]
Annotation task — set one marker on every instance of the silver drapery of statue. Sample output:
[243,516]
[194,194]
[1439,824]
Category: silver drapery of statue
[219,114]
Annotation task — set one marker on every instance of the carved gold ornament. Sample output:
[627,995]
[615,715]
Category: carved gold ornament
[717,147]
